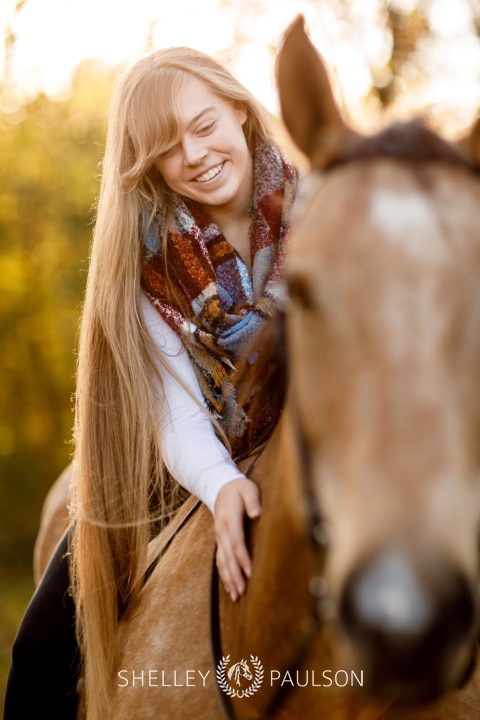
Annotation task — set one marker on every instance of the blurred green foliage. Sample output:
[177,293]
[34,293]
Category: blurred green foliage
[50,153]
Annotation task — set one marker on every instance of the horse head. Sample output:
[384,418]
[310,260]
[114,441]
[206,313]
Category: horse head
[383,332]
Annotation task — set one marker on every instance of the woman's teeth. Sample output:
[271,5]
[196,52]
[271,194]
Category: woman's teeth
[210,174]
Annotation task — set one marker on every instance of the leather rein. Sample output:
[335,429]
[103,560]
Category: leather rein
[320,606]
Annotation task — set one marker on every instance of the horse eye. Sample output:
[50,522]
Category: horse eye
[300,292]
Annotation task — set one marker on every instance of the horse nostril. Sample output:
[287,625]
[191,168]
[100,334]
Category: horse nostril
[386,598]
[405,622]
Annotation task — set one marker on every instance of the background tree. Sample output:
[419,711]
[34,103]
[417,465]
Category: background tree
[49,156]
[49,166]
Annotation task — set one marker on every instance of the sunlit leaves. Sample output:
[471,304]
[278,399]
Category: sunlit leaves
[49,168]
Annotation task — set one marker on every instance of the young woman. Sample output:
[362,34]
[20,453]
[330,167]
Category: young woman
[189,242]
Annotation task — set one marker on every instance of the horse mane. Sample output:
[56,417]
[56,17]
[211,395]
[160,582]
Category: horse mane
[411,141]
[260,382]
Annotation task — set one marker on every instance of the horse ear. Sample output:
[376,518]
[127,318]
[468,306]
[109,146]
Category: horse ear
[470,143]
[307,103]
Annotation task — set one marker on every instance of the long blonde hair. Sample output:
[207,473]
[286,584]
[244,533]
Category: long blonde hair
[119,473]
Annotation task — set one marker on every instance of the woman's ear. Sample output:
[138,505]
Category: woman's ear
[241,112]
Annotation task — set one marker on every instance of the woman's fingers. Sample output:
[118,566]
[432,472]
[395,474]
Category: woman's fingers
[233,560]
[232,587]
[251,499]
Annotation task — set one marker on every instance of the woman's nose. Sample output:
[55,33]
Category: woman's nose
[194,151]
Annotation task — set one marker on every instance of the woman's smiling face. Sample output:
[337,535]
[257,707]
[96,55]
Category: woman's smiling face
[211,163]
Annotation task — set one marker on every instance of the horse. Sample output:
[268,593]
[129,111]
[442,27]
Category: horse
[363,600]
[53,522]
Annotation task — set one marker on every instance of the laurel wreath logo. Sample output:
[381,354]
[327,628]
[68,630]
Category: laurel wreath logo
[244,670]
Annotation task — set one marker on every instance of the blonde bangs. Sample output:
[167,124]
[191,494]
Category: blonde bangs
[151,122]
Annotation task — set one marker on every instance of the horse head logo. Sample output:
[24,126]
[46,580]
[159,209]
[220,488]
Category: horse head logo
[240,670]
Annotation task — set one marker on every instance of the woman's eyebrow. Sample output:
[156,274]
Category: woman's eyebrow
[200,115]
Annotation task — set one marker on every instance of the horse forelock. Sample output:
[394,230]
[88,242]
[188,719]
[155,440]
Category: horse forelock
[411,141]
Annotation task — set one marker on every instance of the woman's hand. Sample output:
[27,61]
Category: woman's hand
[235,499]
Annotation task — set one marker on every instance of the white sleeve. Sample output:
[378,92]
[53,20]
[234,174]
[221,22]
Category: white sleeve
[191,451]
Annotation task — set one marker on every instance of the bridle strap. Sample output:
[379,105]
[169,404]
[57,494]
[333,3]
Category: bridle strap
[216,638]
[215,631]
[148,572]
[317,538]
[171,538]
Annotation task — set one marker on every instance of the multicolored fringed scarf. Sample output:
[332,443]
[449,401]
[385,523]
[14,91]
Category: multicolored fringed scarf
[217,307]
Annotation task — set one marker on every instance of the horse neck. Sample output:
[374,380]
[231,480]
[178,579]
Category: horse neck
[277,602]
[273,620]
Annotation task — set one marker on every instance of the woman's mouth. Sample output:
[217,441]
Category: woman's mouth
[210,174]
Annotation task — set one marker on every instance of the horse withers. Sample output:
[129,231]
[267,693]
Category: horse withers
[365,557]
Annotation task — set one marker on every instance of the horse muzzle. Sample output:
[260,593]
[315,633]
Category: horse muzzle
[412,630]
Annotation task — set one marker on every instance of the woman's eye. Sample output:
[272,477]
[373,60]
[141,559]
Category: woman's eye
[205,129]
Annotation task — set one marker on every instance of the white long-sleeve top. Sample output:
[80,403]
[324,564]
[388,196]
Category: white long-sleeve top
[191,451]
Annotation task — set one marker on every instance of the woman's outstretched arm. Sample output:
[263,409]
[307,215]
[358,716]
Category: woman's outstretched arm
[197,458]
